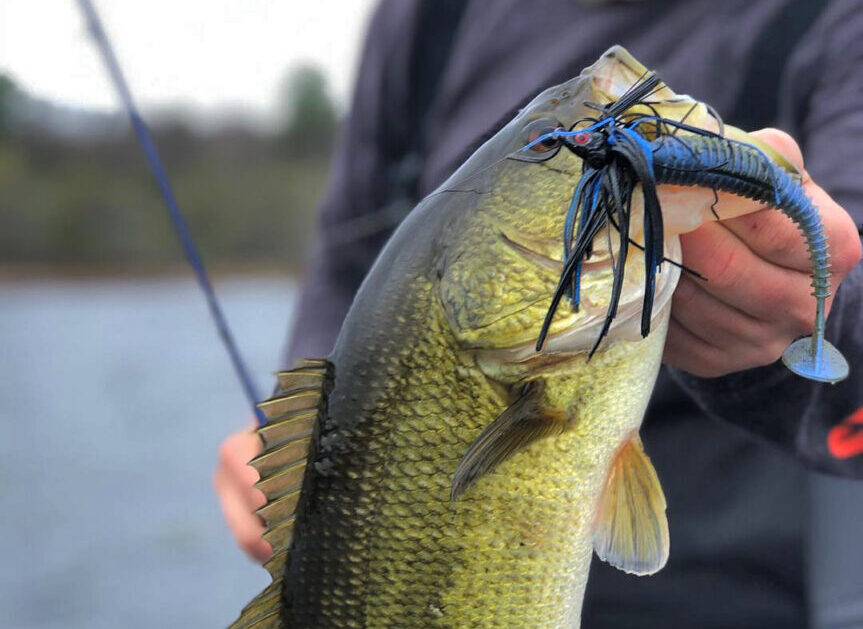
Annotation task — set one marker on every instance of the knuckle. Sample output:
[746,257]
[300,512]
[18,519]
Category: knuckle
[249,538]
[238,449]
[257,498]
[843,237]
[228,451]
[225,453]
[845,253]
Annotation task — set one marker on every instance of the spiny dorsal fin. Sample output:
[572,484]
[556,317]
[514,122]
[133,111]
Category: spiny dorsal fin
[275,565]
[282,456]
[292,426]
[301,380]
[279,536]
[283,406]
[292,415]
[521,423]
[264,611]
[280,510]
[321,364]
[631,530]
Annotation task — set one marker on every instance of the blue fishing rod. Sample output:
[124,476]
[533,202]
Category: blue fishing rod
[190,250]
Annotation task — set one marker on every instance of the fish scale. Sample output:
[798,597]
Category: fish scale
[399,553]
[377,540]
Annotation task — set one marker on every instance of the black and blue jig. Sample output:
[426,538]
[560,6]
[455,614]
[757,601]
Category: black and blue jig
[617,156]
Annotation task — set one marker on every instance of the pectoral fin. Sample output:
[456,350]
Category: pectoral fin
[631,531]
[523,422]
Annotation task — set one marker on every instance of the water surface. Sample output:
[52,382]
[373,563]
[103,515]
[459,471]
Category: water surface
[114,396]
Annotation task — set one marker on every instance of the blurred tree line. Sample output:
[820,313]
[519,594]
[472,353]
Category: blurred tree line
[83,196]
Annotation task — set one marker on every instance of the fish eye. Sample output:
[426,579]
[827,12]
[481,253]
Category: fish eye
[539,128]
[581,138]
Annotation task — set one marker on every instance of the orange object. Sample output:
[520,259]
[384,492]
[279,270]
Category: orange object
[846,439]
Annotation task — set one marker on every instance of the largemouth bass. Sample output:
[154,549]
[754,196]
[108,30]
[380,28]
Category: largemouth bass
[436,470]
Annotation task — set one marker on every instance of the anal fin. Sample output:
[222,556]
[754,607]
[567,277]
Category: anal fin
[631,529]
[263,611]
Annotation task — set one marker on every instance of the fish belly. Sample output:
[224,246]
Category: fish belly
[525,531]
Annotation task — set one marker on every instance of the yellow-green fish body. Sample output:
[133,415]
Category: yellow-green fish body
[435,470]
[514,550]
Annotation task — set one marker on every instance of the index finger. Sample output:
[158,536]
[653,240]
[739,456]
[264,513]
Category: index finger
[777,239]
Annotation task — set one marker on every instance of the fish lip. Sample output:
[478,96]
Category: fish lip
[579,339]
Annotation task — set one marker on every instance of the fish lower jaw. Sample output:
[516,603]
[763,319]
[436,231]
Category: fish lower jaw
[572,345]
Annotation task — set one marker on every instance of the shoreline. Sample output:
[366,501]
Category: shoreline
[30,272]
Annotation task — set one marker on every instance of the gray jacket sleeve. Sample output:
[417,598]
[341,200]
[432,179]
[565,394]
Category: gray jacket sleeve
[822,106]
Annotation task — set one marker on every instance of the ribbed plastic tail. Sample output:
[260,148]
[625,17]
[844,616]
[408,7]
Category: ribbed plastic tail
[744,170]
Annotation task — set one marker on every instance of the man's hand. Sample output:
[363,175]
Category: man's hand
[758,296]
[234,483]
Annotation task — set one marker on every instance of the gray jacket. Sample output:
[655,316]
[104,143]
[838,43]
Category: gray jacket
[738,504]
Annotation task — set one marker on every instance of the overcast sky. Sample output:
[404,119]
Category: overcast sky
[212,54]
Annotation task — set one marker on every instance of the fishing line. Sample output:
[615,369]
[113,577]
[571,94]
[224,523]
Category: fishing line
[193,257]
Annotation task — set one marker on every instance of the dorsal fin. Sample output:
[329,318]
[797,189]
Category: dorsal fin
[292,414]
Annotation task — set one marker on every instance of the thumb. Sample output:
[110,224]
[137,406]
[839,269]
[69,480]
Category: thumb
[784,144]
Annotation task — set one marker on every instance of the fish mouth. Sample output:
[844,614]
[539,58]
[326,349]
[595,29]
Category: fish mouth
[579,337]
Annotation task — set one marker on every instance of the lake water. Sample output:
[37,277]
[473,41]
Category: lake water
[114,397]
